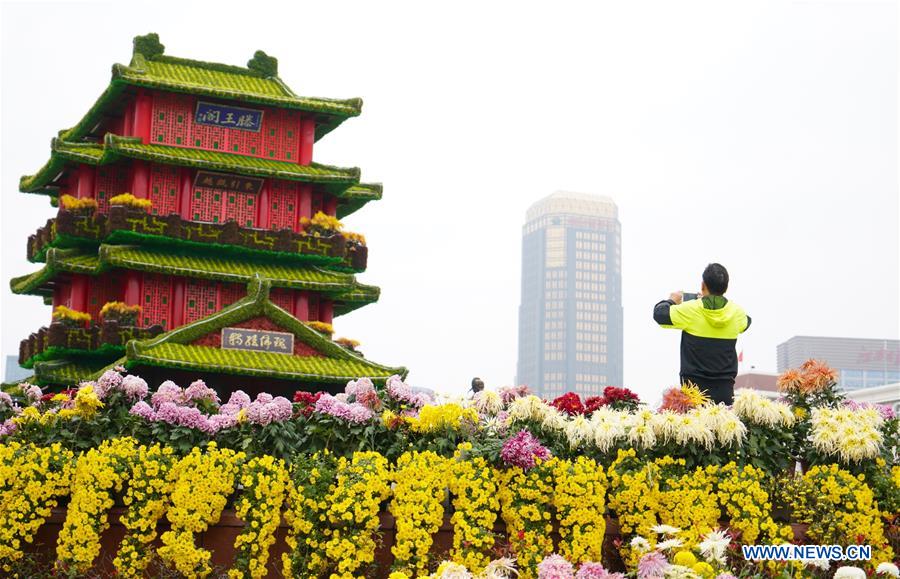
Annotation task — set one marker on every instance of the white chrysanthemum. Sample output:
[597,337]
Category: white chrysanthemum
[725,424]
[665,424]
[527,408]
[642,436]
[665,529]
[823,564]
[487,402]
[851,435]
[674,543]
[450,570]
[752,406]
[713,546]
[609,427]
[640,544]
[553,419]
[887,569]
[579,431]
[692,431]
[502,568]
[680,572]
[849,573]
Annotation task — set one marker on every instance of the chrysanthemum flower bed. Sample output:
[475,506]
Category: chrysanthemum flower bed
[111,476]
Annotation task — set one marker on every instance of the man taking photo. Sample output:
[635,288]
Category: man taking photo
[710,326]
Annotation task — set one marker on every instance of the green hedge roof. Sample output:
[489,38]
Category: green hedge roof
[335,180]
[342,287]
[173,349]
[254,84]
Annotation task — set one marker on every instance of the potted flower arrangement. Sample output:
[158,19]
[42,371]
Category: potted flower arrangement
[71,318]
[85,206]
[321,225]
[121,313]
[321,327]
[131,202]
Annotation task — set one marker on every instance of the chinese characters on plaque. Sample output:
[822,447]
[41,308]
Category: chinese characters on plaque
[257,340]
[228,182]
[229,117]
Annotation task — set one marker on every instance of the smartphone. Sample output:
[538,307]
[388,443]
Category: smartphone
[687,296]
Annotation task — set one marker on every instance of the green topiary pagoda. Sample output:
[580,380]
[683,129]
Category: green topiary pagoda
[195,237]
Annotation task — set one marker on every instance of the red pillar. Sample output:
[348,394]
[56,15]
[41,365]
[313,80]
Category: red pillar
[304,203]
[301,306]
[307,138]
[184,193]
[128,121]
[79,296]
[262,207]
[62,295]
[140,179]
[133,288]
[176,313]
[143,116]
[331,205]
[326,311]
[84,186]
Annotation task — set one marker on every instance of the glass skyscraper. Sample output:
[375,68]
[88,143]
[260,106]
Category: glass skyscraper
[570,315]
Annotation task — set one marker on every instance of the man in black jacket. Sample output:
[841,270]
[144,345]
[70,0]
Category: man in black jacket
[710,326]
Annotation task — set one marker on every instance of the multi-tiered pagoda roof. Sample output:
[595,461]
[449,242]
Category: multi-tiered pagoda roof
[195,230]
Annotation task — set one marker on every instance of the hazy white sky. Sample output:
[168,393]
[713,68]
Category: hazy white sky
[761,135]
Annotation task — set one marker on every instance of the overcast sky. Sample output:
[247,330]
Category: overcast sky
[760,135]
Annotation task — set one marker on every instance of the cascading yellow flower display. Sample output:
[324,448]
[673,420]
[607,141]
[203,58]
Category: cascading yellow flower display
[748,506]
[526,499]
[98,473]
[473,483]
[841,510]
[420,483]
[687,498]
[634,498]
[351,511]
[32,478]
[265,482]
[434,418]
[146,500]
[203,481]
[580,500]
[312,483]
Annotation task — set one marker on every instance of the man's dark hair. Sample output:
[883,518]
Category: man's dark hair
[715,276]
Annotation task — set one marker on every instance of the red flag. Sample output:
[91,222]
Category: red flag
[741,356]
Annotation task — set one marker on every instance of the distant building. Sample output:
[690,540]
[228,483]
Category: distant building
[763,382]
[570,315]
[13,372]
[861,363]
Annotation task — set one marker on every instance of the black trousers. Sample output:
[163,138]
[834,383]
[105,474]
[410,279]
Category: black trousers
[719,391]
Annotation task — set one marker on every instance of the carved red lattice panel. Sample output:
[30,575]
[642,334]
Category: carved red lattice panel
[112,180]
[199,299]
[283,298]
[206,204]
[172,119]
[283,198]
[231,292]
[173,124]
[156,298]
[164,189]
[313,309]
[240,207]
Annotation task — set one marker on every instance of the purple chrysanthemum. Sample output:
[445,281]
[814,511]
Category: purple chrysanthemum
[198,391]
[135,387]
[168,391]
[523,450]
[143,410]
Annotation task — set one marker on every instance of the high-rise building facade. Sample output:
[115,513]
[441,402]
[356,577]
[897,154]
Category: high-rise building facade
[861,363]
[570,315]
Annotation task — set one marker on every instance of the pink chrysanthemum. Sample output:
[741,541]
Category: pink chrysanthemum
[523,450]
[653,565]
[590,570]
[555,567]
